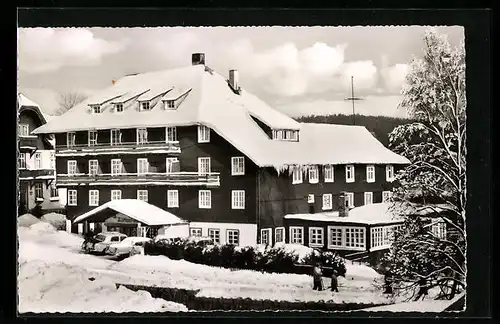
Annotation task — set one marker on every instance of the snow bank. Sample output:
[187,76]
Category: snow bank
[27,220]
[57,287]
[56,220]
[427,305]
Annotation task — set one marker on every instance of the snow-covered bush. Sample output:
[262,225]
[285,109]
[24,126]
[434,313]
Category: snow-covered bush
[56,220]
[27,220]
[42,228]
[277,259]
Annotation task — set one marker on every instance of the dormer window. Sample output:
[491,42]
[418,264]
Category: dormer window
[145,105]
[285,135]
[95,109]
[170,104]
[119,107]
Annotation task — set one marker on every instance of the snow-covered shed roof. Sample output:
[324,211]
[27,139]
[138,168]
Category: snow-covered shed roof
[213,103]
[379,213]
[138,210]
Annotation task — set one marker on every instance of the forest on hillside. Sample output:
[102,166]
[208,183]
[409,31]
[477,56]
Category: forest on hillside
[379,126]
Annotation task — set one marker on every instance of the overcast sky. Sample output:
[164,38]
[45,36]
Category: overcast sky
[298,70]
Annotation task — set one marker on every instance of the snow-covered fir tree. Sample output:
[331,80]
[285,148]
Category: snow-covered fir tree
[431,192]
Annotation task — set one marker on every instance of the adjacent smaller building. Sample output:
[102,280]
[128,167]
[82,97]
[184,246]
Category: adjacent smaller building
[36,162]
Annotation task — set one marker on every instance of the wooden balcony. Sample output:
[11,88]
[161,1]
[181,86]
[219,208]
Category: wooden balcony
[28,143]
[150,147]
[171,178]
[25,174]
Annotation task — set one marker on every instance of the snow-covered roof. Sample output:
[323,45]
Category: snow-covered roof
[212,102]
[136,209]
[368,214]
[26,102]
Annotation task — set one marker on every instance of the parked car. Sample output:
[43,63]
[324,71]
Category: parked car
[98,243]
[129,246]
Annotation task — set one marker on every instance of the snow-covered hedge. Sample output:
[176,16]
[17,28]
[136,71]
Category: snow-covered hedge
[56,220]
[277,259]
[27,220]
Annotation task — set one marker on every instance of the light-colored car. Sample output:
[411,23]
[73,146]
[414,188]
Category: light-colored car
[101,241]
[129,246]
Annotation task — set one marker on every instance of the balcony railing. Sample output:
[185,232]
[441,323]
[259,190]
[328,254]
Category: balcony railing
[122,147]
[36,174]
[28,142]
[170,178]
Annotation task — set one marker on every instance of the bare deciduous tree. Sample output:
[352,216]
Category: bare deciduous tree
[68,100]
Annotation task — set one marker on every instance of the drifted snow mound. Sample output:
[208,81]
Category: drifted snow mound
[57,288]
[56,220]
[27,220]
[41,228]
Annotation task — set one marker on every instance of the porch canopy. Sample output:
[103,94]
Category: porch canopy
[135,209]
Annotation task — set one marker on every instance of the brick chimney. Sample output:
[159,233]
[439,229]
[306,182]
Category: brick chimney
[233,80]
[198,58]
[343,208]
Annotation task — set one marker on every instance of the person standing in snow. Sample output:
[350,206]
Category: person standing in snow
[317,281]
[335,281]
[423,289]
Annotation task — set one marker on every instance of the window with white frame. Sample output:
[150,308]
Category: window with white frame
[439,229]
[328,173]
[116,166]
[116,137]
[327,201]
[38,161]
[22,160]
[95,109]
[310,198]
[214,234]
[70,139]
[93,197]
[172,134]
[142,194]
[349,173]
[24,129]
[238,199]
[145,105]
[349,196]
[119,107]
[334,236]
[142,166]
[170,164]
[72,167]
[279,234]
[195,231]
[52,160]
[377,237]
[93,167]
[72,197]
[116,194]
[368,198]
[203,134]
[204,199]
[170,104]
[265,236]
[92,136]
[370,173]
[313,174]
[389,173]
[297,175]
[142,136]
[38,190]
[233,236]
[316,236]
[172,198]
[203,165]
[237,165]
[386,196]
[354,237]
[296,235]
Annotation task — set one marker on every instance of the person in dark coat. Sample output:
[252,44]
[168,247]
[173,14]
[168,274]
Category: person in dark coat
[423,289]
[317,274]
[335,282]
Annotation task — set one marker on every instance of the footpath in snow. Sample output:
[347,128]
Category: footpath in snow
[54,276]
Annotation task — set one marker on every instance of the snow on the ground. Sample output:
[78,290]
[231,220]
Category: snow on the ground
[27,220]
[426,305]
[58,253]
[54,277]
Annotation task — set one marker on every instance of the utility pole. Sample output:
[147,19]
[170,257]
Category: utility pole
[352,98]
